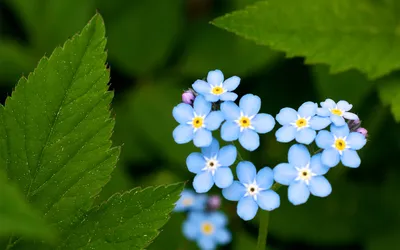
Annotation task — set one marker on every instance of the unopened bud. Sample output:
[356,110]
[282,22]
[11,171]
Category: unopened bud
[188,97]
[363,131]
[354,124]
[214,202]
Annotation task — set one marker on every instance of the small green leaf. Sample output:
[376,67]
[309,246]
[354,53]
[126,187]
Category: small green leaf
[56,127]
[17,217]
[344,34]
[389,93]
[126,221]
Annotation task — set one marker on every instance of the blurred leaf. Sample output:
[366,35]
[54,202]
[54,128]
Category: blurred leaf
[387,241]
[17,217]
[344,34]
[142,34]
[351,86]
[55,143]
[389,93]
[126,221]
[210,48]
[49,23]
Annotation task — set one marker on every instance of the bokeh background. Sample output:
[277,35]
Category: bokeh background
[157,49]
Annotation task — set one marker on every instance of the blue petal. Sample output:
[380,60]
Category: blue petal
[202,138]
[218,219]
[324,139]
[215,77]
[330,157]
[298,155]
[305,136]
[190,230]
[227,155]
[201,106]
[351,159]
[320,186]
[265,178]
[316,165]
[234,192]
[183,134]
[350,116]
[195,162]
[214,120]
[286,133]
[223,177]
[203,182]
[231,83]
[249,139]
[228,96]
[337,120]
[356,140]
[324,112]
[223,236]
[298,192]
[340,131]
[344,105]
[230,110]
[230,131]
[211,97]
[308,109]
[200,202]
[206,242]
[286,116]
[246,172]
[250,104]
[263,123]
[247,208]
[201,87]
[211,150]
[329,104]
[183,113]
[284,173]
[268,200]
[318,122]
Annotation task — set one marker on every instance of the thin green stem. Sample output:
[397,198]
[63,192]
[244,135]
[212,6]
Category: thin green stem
[263,230]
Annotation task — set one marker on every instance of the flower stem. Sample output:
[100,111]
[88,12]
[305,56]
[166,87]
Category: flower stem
[263,230]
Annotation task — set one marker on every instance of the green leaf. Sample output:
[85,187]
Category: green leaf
[344,34]
[56,127]
[389,93]
[126,221]
[17,217]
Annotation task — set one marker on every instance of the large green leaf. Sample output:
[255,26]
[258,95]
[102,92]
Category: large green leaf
[55,129]
[126,221]
[345,34]
[389,93]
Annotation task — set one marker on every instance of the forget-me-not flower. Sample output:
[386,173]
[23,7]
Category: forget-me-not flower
[336,112]
[340,145]
[303,175]
[301,124]
[190,201]
[252,190]
[244,122]
[212,166]
[216,88]
[207,229]
[196,123]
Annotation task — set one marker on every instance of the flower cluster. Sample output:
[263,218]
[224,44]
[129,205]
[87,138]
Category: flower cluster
[210,106]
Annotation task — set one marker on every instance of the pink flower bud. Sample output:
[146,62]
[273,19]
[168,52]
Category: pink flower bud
[188,97]
[214,202]
[363,131]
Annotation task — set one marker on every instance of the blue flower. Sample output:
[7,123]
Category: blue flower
[196,123]
[212,166]
[190,201]
[207,229]
[303,175]
[300,125]
[252,190]
[244,123]
[340,145]
[336,112]
[216,88]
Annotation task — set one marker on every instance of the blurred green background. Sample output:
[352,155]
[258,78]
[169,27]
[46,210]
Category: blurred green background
[157,49]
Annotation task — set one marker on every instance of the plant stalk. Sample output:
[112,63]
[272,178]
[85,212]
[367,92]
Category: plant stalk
[263,230]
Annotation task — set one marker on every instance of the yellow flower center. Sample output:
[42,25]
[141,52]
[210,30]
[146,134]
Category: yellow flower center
[340,144]
[197,122]
[244,122]
[187,201]
[301,122]
[337,112]
[207,228]
[217,90]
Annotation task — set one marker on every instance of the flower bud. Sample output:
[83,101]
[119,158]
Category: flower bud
[188,97]
[363,131]
[214,202]
[354,124]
